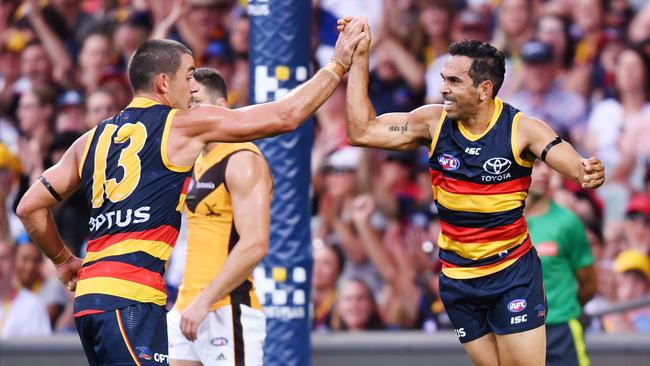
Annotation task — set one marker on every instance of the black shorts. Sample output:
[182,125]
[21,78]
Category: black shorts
[509,301]
[132,335]
[565,344]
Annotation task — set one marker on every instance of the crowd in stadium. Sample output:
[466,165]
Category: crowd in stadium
[580,65]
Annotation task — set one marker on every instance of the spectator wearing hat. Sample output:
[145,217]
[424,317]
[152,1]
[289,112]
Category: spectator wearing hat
[70,113]
[636,227]
[544,97]
[632,269]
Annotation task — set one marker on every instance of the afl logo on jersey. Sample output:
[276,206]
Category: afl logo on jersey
[448,162]
[497,165]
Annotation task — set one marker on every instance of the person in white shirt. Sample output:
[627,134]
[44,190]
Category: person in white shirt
[22,314]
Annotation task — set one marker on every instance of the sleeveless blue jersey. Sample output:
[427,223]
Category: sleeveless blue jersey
[136,197]
[480,185]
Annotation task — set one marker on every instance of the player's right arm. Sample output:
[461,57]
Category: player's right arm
[397,131]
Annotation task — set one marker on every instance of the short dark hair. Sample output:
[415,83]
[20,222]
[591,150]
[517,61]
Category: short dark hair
[153,57]
[488,63]
[212,80]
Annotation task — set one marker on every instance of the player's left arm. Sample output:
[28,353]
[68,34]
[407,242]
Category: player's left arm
[250,184]
[537,138]
[34,211]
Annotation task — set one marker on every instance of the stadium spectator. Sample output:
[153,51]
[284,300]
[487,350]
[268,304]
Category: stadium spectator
[587,31]
[544,97]
[22,314]
[335,225]
[28,263]
[400,296]
[397,81]
[468,24]
[514,26]
[356,308]
[636,226]
[611,119]
[555,31]
[435,19]
[36,69]
[95,60]
[35,121]
[100,104]
[632,282]
[70,113]
[329,261]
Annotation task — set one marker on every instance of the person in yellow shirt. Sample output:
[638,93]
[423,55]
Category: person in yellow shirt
[217,317]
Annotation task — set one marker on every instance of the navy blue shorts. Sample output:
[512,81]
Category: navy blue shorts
[132,335]
[509,301]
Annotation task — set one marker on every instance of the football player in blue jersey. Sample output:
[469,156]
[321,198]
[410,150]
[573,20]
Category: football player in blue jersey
[134,169]
[481,157]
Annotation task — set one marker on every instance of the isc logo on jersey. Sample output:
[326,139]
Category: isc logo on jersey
[448,162]
[498,169]
[473,150]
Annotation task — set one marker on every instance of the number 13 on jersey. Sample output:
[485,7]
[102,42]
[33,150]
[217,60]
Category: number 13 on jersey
[129,161]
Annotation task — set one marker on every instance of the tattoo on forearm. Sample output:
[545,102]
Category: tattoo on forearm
[401,129]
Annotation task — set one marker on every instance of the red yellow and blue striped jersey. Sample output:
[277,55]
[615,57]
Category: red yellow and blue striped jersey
[480,184]
[136,196]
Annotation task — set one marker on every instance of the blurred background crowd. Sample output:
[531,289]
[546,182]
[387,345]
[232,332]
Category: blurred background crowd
[580,65]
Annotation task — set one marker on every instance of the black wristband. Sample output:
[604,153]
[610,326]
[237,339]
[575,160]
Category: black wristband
[549,146]
[49,188]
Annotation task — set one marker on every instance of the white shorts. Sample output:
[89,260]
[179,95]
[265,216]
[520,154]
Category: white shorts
[227,337]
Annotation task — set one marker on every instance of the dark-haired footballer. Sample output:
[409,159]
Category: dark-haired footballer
[481,157]
[134,170]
